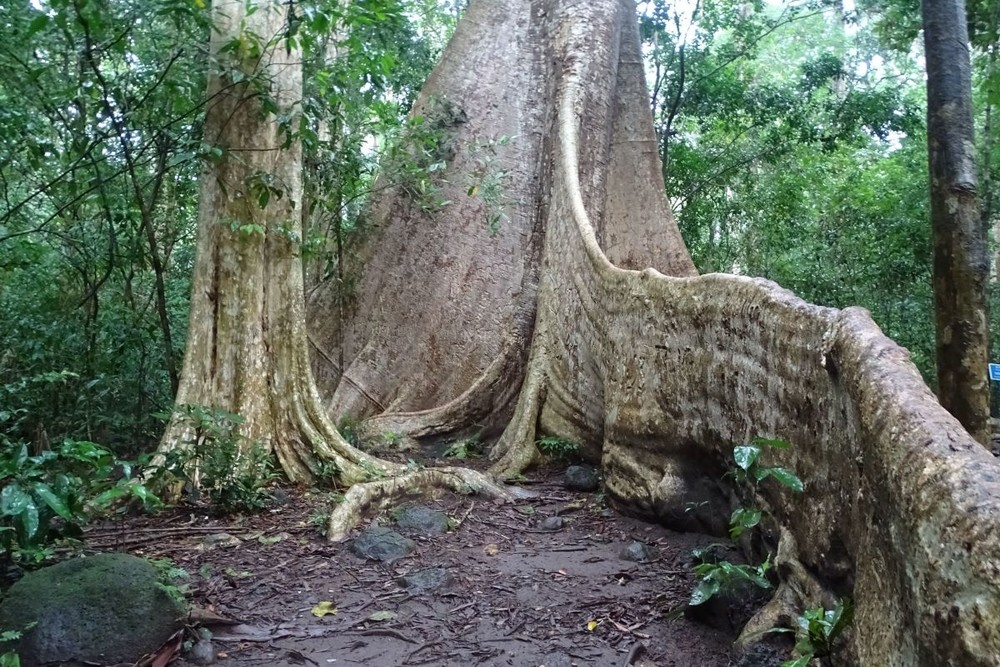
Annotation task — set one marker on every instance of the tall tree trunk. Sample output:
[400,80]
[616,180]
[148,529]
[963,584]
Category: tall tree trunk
[246,350]
[961,261]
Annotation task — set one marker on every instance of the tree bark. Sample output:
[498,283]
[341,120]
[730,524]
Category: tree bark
[246,350]
[961,261]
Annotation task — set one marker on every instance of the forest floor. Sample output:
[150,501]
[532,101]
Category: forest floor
[514,592]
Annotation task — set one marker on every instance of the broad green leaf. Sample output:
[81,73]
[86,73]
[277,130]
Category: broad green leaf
[776,443]
[704,591]
[746,456]
[798,662]
[56,503]
[13,500]
[29,521]
[743,519]
[787,478]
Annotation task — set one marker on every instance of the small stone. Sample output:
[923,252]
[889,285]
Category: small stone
[638,552]
[424,581]
[582,478]
[381,544]
[421,520]
[219,541]
[552,523]
[203,652]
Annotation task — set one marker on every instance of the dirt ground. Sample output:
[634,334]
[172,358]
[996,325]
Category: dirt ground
[518,595]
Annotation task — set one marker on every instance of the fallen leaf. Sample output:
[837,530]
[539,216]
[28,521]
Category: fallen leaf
[492,549]
[591,625]
[324,608]
[384,615]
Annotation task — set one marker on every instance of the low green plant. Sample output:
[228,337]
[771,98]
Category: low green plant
[557,447]
[749,470]
[350,429]
[320,515]
[53,494]
[726,576]
[466,448]
[818,633]
[719,575]
[234,473]
[11,658]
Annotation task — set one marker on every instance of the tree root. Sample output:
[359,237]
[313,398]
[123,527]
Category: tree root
[378,495]
[797,591]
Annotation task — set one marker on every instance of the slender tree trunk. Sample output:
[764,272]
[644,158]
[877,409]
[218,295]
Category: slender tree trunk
[246,350]
[961,261]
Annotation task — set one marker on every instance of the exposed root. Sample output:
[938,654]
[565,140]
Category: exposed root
[797,591]
[516,450]
[379,495]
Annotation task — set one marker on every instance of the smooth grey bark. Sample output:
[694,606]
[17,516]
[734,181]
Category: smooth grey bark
[961,256]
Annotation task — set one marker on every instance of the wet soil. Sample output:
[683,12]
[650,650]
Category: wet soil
[518,594]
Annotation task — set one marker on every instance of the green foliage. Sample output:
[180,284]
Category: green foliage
[101,150]
[715,575]
[794,149]
[557,447]
[465,448]
[728,578]
[53,494]
[420,151]
[819,632]
[11,658]
[749,469]
[217,460]
[350,429]
[487,180]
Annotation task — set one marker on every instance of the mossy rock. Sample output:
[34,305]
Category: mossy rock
[108,608]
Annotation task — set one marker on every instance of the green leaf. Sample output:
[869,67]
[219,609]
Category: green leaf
[29,521]
[743,519]
[746,455]
[704,591]
[787,478]
[13,500]
[798,662]
[37,25]
[45,492]
[776,443]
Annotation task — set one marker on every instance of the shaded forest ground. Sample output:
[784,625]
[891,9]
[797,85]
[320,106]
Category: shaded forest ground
[519,594]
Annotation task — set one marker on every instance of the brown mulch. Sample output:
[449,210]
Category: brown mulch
[519,595]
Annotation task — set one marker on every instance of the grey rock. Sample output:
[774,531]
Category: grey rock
[582,478]
[423,581]
[552,523]
[421,520]
[220,541]
[638,552]
[203,652]
[104,609]
[381,544]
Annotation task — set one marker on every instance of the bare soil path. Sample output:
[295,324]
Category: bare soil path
[518,594]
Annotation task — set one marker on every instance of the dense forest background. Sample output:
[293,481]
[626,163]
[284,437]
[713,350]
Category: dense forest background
[792,136]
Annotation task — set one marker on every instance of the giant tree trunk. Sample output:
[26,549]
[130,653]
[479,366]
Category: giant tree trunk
[961,257]
[246,350]
[659,373]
